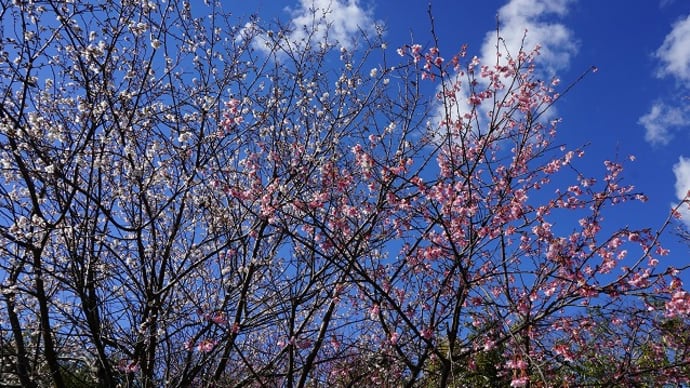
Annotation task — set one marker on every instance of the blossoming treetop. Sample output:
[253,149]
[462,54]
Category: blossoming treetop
[188,202]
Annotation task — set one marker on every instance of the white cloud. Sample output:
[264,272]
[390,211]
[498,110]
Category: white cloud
[315,22]
[661,120]
[674,53]
[536,17]
[682,172]
[338,21]
[674,56]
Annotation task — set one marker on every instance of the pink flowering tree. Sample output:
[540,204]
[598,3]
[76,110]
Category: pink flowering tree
[489,258]
[186,202]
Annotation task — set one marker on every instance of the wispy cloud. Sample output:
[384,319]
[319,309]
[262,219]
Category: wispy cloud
[318,22]
[682,172]
[674,53]
[661,121]
[339,21]
[664,119]
[538,19]
[524,25]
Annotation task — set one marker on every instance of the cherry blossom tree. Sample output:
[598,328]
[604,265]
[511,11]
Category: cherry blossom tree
[188,200]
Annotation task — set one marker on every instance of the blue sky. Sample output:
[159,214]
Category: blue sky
[638,103]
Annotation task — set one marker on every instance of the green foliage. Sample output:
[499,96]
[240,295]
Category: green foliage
[475,369]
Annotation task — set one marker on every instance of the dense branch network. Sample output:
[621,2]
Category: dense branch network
[187,200]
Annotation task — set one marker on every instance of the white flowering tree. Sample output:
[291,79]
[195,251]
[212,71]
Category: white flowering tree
[187,200]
